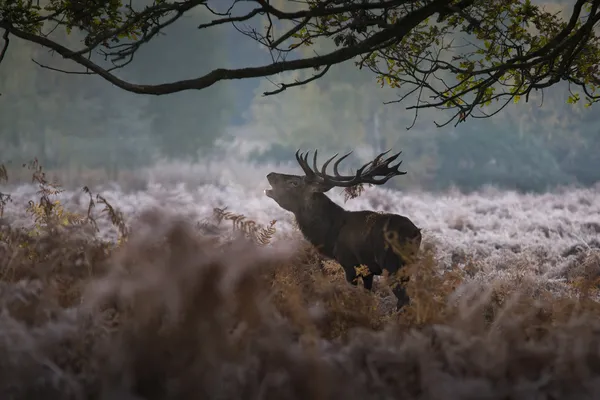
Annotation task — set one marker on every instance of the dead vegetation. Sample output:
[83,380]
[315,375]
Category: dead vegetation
[252,230]
[169,313]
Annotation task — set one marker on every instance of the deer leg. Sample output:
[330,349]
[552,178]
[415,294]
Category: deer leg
[374,269]
[394,264]
[351,275]
[368,282]
[399,291]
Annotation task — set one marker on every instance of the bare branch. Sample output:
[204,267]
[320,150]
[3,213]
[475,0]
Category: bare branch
[6,41]
[319,11]
[500,58]
[149,13]
[402,27]
[64,71]
[284,86]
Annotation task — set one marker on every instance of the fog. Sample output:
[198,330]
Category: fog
[84,130]
[508,204]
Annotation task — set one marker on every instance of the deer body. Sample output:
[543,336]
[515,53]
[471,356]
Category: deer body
[352,238]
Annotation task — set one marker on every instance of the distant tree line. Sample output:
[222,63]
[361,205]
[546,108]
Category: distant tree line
[469,159]
[350,57]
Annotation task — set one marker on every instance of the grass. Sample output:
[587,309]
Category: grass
[173,310]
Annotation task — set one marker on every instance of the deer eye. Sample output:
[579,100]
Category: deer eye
[294,183]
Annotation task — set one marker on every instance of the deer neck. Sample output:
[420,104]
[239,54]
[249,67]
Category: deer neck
[320,220]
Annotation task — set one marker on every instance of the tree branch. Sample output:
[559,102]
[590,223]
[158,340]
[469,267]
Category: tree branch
[396,31]
[390,37]
[6,41]
[284,86]
[319,11]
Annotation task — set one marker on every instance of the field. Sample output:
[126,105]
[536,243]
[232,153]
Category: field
[187,289]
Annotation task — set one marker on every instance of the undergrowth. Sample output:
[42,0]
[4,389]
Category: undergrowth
[261,235]
[168,312]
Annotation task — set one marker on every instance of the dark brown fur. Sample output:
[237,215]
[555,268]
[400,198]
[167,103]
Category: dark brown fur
[351,238]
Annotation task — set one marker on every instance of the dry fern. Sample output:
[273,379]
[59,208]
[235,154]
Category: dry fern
[428,289]
[260,234]
[353,192]
[3,173]
[49,213]
[46,211]
[116,216]
[4,198]
[588,285]
[58,214]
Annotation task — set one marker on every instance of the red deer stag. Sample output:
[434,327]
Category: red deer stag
[352,238]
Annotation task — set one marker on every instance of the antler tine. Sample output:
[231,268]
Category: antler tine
[324,168]
[312,172]
[369,171]
[303,162]
[323,172]
[383,168]
[336,165]
[392,157]
[377,160]
[383,154]
[315,168]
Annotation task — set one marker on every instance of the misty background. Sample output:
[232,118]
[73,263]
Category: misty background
[82,126]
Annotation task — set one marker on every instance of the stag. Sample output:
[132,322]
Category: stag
[352,238]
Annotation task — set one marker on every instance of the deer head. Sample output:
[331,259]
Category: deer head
[292,192]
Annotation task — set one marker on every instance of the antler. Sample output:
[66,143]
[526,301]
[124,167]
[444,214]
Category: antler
[365,174]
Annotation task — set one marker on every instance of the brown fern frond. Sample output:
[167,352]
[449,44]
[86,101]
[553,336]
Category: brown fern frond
[76,219]
[3,173]
[265,235]
[238,220]
[4,200]
[116,216]
[91,204]
[45,209]
[4,197]
[353,192]
[207,227]
[219,214]
[251,229]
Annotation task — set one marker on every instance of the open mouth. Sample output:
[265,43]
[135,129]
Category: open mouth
[269,192]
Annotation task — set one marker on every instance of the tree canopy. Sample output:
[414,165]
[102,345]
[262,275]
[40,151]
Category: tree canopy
[469,56]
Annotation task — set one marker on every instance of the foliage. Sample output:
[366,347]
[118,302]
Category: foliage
[184,124]
[51,218]
[505,50]
[68,121]
[337,115]
[253,230]
[48,214]
[170,314]
[470,159]
[4,198]
[76,121]
[459,55]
